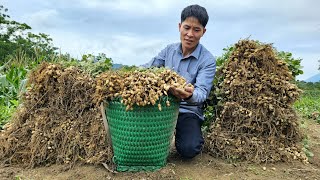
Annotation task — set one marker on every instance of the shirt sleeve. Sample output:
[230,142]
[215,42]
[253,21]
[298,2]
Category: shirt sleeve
[157,61]
[204,81]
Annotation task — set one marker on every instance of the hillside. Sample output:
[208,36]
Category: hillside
[116,66]
[315,78]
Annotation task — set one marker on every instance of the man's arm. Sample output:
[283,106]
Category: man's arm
[203,83]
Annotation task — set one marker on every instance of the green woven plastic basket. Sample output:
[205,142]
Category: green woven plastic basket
[141,137]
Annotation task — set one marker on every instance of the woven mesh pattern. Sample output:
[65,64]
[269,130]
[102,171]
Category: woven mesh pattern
[141,137]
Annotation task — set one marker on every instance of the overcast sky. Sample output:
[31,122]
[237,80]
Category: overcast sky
[131,32]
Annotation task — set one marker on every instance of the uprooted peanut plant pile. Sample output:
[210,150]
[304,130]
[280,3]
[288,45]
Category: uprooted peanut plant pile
[255,119]
[60,122]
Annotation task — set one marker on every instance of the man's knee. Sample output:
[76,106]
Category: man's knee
[189,150]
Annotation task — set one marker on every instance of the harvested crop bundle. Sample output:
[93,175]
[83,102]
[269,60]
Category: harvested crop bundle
[255,120]
[139,87]
[58,122]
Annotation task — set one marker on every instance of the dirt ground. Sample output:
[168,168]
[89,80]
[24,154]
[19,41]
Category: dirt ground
[202,167]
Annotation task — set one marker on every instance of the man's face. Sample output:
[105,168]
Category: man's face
[190,32]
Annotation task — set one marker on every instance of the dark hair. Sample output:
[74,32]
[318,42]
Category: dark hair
[196,11]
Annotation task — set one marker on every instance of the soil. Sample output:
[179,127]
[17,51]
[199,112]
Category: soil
[203,166]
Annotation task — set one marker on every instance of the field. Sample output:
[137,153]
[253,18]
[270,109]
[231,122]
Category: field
[258,124]
[266,127]
[203,166]
[309,105]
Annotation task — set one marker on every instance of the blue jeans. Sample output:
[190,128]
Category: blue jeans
[189,140]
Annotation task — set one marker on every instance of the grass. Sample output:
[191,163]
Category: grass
[308,106]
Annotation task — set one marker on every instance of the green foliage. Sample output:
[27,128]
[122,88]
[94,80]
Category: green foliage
[21,51]
[309,105]
[213,99]
[220,61]
[12,83]
[294,65]
[308,85]
[96,64]
[13,75]
[89,63]
[306,147]
[209,115]
[6,113]
[225,56]
[126,68]
[15,37]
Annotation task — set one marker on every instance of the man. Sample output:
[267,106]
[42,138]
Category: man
[197,65]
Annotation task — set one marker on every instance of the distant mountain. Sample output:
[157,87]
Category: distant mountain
[116,66]
[315,78]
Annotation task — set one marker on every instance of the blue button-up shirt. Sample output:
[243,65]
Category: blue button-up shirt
[198,68]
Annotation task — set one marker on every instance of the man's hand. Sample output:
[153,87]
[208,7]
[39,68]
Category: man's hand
[182,93]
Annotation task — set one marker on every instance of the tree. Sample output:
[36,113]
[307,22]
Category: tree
[95,64]
[14,36]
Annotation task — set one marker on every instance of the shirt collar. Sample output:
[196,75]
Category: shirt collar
[195,53]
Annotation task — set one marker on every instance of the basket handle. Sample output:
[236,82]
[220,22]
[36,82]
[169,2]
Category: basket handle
[106,125]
